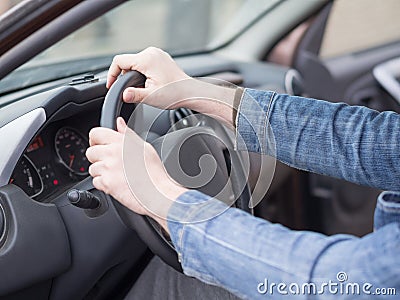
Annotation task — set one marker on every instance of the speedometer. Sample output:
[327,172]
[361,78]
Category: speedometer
[27,177]
[70,148]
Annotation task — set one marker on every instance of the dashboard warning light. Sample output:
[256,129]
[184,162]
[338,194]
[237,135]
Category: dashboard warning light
[55,182]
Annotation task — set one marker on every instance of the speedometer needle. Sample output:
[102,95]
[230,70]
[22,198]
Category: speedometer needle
[71,160]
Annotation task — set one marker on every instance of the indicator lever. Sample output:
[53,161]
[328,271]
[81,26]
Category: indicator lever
[83,199]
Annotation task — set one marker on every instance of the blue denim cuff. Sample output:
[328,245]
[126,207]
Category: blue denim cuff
[387,209]
[252,126]
[190,208]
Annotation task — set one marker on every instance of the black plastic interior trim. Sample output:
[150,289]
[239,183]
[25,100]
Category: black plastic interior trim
[2,226]
[98,243]
[30,226]
[38,291]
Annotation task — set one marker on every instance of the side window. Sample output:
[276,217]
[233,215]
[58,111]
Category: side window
[358,25]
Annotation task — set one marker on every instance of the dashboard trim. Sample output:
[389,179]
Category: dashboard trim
[15,136]
[3,227]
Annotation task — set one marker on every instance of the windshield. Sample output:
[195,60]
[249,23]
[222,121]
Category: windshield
[178,26]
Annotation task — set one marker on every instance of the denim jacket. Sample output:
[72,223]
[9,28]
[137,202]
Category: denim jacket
[256,259]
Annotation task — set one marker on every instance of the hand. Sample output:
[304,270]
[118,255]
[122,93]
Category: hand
[150,191]
[168,87]
[158,67]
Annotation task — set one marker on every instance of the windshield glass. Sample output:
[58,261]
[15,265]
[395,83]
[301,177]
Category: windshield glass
[178,26]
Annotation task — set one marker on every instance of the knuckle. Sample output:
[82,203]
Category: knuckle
[153,50]
[109,152]
[116,58]
[106,186]
[107,165]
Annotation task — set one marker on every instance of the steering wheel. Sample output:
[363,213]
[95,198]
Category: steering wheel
[147,229]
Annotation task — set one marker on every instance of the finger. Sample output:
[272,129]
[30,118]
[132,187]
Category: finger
[125,62]
[121,125]
[103,136]
[96,169]
[97,153]
[98,183]
[134,95]
[117,65]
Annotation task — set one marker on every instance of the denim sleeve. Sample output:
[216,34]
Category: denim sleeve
[255,259]
[353,143]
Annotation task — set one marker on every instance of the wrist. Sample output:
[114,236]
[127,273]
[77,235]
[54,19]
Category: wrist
[170,191]
[210,99]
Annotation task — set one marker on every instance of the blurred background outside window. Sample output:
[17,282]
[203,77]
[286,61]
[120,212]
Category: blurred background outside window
[183,26]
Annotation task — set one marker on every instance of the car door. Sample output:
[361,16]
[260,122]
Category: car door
[337,57]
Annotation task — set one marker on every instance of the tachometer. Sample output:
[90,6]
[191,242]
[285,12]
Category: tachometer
[27,177]
[70,148]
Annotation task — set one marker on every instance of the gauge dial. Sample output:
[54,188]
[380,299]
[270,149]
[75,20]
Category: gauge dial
[27,177]
[70,148]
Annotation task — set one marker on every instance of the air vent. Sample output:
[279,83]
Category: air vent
[183,118]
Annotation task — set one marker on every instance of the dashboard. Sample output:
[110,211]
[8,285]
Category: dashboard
[55,160]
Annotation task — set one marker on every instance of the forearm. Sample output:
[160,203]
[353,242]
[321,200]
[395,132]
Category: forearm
[348,142]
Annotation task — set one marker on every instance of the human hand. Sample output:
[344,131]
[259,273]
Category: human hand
[168,87]
[149,193]
[158,67]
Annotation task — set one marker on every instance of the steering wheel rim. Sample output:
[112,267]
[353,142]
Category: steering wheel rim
[150,233]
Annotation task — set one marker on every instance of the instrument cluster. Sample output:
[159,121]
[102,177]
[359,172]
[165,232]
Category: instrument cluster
[54,161]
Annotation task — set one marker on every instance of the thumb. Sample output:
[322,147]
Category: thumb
[132,95]
[121,125]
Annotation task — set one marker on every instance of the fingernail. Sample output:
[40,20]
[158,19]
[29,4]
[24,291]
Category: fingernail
[121,123]
[128,95]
